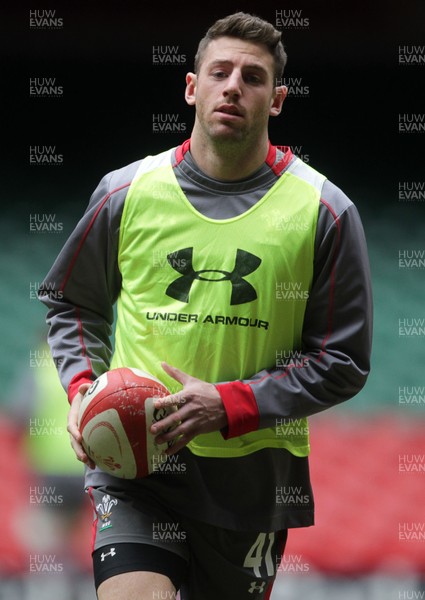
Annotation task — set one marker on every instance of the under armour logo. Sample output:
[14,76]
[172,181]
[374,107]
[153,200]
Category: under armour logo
[254,587]
[104,555]
[242,291]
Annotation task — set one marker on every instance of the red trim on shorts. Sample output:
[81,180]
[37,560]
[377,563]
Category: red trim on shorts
[95,521]
[269,590]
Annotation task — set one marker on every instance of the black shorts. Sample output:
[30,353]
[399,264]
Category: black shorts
[202,561]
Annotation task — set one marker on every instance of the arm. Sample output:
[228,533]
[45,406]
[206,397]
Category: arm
[82,287]
[337,332]
[80,291]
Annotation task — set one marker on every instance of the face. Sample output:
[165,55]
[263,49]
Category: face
[234,91]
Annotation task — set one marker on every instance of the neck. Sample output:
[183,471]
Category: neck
[228,161]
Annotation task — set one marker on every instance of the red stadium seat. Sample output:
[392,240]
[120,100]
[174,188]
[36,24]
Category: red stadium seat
[370,500]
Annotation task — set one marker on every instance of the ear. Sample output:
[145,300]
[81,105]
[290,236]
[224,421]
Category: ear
[190,92]
[279,95]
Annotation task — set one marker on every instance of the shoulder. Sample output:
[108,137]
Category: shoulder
[334,200]
[337,212]
[123,176]
[306,173]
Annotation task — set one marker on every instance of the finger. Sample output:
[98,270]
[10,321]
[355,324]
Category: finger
[81,454]
[176,374]
[73,419]
[75,434]
[180,437]
[79,451]
[172,400]
[176,426]
[166,423]
[83,388]
[178,445]
[84,457]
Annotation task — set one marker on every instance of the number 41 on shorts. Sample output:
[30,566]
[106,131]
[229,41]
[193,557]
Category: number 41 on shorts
[256,556]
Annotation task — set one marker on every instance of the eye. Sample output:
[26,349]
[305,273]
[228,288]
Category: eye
[218,74]
[253,79]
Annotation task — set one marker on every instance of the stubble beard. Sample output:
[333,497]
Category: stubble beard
[231,141]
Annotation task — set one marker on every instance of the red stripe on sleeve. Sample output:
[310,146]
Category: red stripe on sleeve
[331,300]
[85,234]
[241,408]
[86,376]
[332,279]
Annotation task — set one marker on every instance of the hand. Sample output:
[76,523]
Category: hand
[200,410]
[75,435]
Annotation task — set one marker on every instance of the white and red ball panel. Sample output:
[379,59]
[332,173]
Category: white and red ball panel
[115,417]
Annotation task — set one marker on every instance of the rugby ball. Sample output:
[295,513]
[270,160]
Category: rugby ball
[115,417]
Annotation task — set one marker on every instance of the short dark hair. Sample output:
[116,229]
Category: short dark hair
[246,26]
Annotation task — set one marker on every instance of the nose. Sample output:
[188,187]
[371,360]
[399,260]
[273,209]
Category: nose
[233,87]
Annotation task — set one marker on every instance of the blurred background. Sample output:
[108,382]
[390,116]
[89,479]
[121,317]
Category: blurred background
[90,87]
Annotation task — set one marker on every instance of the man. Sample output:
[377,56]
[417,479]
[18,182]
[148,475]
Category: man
[242,282]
